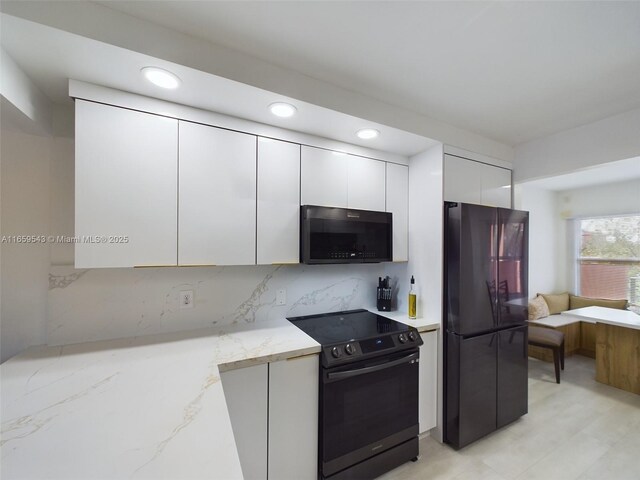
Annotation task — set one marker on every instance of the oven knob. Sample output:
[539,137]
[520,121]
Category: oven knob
[350,349]
[335,351]
[412,336]
[403,338]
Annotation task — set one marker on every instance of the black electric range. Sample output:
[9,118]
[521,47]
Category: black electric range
[356,335]
[368,406]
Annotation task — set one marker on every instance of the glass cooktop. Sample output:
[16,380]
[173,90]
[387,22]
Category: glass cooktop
[337,327]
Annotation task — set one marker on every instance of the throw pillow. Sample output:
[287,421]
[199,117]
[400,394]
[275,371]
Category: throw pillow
[538,308]
[580,302]
[556,302]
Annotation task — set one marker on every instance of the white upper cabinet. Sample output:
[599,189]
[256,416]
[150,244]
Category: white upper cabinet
[217,196]
[398,205]
[334,179]
[278,202]
[323,177]
[468,181]
[496,187]
[126,186]
[365,183]
[462,180]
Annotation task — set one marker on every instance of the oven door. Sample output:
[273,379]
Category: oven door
[366,408]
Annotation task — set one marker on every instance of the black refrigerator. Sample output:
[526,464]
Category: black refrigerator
[484,319]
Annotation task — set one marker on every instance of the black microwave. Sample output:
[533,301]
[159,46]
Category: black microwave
[344,235]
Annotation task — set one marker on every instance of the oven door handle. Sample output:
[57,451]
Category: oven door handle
[413,358]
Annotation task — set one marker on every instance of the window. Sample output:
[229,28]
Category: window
[609,258]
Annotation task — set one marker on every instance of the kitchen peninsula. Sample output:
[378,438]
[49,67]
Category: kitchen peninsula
[617,345]
[143,407]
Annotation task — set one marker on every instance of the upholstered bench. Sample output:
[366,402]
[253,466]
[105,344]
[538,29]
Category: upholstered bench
[551,339]
[579,335]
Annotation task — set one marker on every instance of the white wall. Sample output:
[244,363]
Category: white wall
[607,140]
[425,229]
[25,167]
[552,259]
[547,264]
[20,91]
[426,189]
[617,198]
[607,199]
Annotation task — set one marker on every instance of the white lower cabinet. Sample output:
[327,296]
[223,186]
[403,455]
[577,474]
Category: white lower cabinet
[246,393]
[428,381]
[274,414]
[293,419]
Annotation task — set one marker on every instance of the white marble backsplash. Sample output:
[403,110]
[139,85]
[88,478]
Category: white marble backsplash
[100,304]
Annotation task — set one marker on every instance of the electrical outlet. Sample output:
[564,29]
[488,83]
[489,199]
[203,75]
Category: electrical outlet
[186,299]
[281,297]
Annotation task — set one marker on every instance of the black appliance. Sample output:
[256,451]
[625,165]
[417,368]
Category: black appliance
[484,318]
[344,235]
[368,410]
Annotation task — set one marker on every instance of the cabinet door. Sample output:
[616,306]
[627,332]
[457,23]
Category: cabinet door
[462,180]
[496,186]
[513,380]
[428,382]
[293,418]
[323,177]
[126,186]
[398,205]
[278,202]
[366,184]
[217,197]
[468,181]
[245,391]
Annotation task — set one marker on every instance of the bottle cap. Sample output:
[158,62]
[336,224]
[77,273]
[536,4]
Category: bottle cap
[412,280]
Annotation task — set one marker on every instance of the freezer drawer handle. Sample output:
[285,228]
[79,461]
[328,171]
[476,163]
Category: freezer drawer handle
[413,358]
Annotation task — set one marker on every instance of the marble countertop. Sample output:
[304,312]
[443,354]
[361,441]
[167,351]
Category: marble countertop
[145,407]
[420,323]
[610,316]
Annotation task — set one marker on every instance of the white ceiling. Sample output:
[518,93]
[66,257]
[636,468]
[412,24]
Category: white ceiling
[50,57]
[511,71]
[620,171]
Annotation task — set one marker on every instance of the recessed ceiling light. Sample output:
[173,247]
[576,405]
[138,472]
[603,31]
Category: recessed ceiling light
[367,133]
[284,110]
[160,77]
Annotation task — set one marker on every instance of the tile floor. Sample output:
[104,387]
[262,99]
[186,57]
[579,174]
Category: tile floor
[579,430]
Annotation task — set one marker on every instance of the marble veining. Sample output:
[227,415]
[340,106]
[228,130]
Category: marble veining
[331,295]
[26,425]
[63,281]
[146,407]
[101,304]
[189,414]
[246,311]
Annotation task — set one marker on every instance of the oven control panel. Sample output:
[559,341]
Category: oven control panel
[355,350]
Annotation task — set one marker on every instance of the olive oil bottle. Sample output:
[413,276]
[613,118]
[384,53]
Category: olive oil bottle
[413,299]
